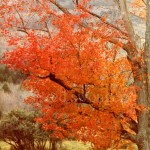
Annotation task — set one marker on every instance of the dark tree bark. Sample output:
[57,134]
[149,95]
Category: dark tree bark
[54,145]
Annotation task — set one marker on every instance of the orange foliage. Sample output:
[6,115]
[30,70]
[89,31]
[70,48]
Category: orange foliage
[139,8]
[81,85]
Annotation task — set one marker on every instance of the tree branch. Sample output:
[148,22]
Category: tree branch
[22,21]
[104,21]
[63,9]
[144,2]
[80,97]
[46,25]
[127,47]
[53,78]
[130,137]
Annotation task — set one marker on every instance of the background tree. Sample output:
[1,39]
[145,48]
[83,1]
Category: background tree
[11,90]
[19,129]
[7,75]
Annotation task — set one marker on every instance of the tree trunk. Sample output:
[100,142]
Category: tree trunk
[54,145]
[143,136]
[127,20]
[141,73]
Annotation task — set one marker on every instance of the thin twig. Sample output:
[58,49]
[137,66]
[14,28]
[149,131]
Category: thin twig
[144,2]
[104,21]
[22,21]
[63,9]
[46,25]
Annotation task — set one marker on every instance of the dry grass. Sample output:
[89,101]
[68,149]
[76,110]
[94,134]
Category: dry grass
[4,146]
[66,145]
[75,145]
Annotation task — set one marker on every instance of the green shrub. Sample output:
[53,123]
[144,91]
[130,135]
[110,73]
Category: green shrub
[20,130]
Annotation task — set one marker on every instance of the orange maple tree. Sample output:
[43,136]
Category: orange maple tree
[75,67]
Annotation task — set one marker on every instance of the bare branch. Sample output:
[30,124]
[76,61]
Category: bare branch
[22,21]
[26,28]
[63,9]
[104,21]
[144,2]
[46,25]
[76,2]
[130,137]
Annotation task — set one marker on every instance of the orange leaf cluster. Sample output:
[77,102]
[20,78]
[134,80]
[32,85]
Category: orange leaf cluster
[80,83]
